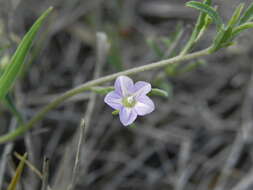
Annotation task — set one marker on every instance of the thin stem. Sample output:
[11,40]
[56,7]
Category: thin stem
[45,174]
[188,46]
[88,85]
[193,40]
[78,155]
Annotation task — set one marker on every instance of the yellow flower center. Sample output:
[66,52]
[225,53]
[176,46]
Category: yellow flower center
[129,101]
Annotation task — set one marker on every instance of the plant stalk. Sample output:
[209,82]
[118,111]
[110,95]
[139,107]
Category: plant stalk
[96,82]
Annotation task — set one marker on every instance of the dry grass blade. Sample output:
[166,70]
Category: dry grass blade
[102,49]
[45,174]
[7,151]
[30,165]
[19,170]
[77,159]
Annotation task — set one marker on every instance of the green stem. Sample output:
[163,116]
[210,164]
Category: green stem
[187,47]
[88,85]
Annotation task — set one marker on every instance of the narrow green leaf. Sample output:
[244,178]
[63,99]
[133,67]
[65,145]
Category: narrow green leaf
[11,72]
[241,28]
[115,112]
[172,70]
[16,177]
[208,21]
[12,108]
[202,21]
[133,125]
[166,41]
[222,39]
[247,16]
[200,27]
[191,66]
[208,2]
[171,42]
[206,9]
[226,34]
[7,100]
[236,16]
[161,82]
[158,92]
[177,33]
[155,47]
[218,39]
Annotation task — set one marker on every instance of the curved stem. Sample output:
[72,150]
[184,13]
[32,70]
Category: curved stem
[88,85]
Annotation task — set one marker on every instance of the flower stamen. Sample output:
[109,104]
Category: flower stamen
[129,101]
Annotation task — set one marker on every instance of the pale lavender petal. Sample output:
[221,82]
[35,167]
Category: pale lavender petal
[124,86]
[141,88]
[127,116]
[114,100]
[144,105]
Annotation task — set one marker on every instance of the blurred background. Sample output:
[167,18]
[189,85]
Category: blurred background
[199,138]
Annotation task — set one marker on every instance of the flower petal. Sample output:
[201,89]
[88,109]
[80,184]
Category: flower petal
[113,99]
[144,105]
[124,86]
[141,88]
[127,116]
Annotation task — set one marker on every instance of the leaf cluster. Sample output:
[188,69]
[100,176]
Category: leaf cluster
[226,32]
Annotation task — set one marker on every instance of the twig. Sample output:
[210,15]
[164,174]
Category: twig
[30,165]
[7,150]
[102,49]
[77,159]
[45,174]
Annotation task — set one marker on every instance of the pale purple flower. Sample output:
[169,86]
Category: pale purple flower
[130,99]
